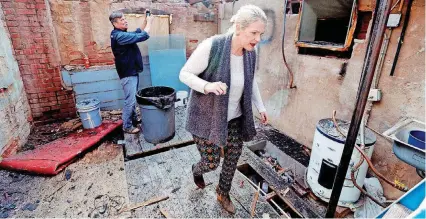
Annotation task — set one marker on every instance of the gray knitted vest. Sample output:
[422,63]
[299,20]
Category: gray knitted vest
[207,114]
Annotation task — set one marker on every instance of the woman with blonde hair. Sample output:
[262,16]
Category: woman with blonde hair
[220,73]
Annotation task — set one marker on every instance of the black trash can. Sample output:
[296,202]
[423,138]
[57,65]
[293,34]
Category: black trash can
[157,105]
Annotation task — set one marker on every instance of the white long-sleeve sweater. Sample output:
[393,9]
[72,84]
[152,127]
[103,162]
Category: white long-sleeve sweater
[198,62]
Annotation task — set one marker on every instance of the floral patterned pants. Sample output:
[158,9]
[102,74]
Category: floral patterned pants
[210,156]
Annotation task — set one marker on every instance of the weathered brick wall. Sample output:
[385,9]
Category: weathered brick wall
[83,27]
[34,43]
[15,113]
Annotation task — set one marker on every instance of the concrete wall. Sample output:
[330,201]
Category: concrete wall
[84,27]
[321,89]
[14,109]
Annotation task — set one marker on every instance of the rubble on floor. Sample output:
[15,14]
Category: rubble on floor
[53,157]
[96,187]
[44,133]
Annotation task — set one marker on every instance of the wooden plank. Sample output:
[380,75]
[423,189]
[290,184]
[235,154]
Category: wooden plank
[131,144]
[302,184]
[113,105]
[299,190]
[342,212]
[137,173]
[278,184]
[254,202]
[270,196]
[146,146]
[93,75]
[153,167]
[104,96]
[185,200]
[366,5]
[286,161]
[143,204]
[159,27]
[97,86]
[181,137]
[245,196]
[66,78]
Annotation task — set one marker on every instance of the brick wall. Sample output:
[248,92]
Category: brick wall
[32,34]
[15,113]
[83,27]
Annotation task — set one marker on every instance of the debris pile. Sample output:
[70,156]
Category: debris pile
[43,134]
[112,115]
[273,163]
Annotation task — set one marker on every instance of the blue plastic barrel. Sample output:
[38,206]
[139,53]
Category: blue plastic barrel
[158,113]
[89,113]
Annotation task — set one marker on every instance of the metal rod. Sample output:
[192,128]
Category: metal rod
[373,50]
[401,37]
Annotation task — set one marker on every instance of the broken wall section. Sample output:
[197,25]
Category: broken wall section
[15,115]
[325,84]
[33,39]
[83,27]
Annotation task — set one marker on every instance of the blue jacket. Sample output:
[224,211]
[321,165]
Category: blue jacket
[128,58]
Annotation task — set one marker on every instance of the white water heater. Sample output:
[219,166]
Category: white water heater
[326,152]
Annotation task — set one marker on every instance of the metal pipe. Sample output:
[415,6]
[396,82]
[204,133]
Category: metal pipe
[381,59]
[375,40]
[370,164]
[401,37]
[378,174]
[361,160]
[290,73]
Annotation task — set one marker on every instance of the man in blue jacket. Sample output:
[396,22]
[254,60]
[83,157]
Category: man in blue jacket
[128,62]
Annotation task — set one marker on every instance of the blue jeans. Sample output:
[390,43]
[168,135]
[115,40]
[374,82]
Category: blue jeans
[130,86]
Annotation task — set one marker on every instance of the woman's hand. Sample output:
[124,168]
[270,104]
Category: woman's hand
[264,118]
[217,88]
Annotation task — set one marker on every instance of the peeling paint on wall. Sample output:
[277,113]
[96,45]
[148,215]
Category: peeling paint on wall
[14,109]
[276,103]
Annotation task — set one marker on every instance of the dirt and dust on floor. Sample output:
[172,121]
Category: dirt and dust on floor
[91,187]
[103,183]
[42,134]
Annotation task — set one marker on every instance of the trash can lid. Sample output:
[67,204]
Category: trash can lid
[88,104]
[327,128]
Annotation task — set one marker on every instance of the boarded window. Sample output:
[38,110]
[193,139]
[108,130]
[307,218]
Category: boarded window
[327,24]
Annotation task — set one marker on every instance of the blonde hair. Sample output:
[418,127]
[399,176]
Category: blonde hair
[245,16]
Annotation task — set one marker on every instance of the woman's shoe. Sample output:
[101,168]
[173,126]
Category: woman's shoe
[225,201]
[198,180]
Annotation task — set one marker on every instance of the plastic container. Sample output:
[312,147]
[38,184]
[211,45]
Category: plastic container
[417,139]
[89,113]
[408,152]
[158,113]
